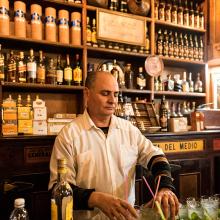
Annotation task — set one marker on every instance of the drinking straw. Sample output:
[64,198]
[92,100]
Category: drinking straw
[156,202]
[158,183]
[160,210]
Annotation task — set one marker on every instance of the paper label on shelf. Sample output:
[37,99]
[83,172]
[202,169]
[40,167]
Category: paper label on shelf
[181,146]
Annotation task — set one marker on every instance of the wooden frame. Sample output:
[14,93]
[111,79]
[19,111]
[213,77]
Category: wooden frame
[119,27]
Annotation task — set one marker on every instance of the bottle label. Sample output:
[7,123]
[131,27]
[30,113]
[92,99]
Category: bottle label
[41,73]
[75,23]
[4,11]
[77,75]
[59,74]
[32,70]
[35,17]
[89,35]
[50,20]
[67,209]
[68,74]
[186,19]
[141,82]
[19,14]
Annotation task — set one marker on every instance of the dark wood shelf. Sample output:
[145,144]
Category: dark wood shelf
[59,2]
[168,24]
[135,91]
[40,87]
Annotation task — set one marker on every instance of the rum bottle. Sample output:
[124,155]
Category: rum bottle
[171,45]
[201,49]
[51,72]
[196,48]
[62,195]
[198,84]
[191,48]
[31,68]
[68,75]
[141,79]
[180,13]
[159,42]
[191,83]
[94,34]
[161,10]
[176,46]
[88,32]
[21,68]
[185,83]
[41,69]
[129,77]
[166,44]
[2,65]
[174,12]
[77,71]
[186,14]
[11,68]
[59,71]
[168,11]
[163,115]
[181,46]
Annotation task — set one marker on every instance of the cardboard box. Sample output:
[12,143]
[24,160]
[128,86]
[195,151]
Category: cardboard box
[178,124]
[40,127]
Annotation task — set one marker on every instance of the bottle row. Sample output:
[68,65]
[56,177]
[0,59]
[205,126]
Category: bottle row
[180,45]
[177,84]
[69,27]
[29,69]
[181,12]
[91,40]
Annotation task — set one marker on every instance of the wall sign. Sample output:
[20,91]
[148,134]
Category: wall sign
[37,154]
[119,27]
[181,146]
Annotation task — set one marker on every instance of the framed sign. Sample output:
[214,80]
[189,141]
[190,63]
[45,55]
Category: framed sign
[119,27]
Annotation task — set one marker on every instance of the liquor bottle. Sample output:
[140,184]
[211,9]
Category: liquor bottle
[68,75]
[201,49]
[141,79]
[176,45]
[186,14]
[174,12]
[51,72]
[186,47]
[41,69]
[165,43]
[191,15]
[160,84]
[185,112]
[169,84]
[177,83]
[21,68]
[156,4]
[94,34]
[31,68]
[180,13]
[191,83]
[11,66]
[113,5]
[173,110]
[19,212]
[168,11]
[123,6]
[19,101]
[59,71]
[201,19]
[115,71]
[161,10]
[88,32]
[77,71]
[198,84]
[171,45]
[156,83]
[163,115]
[196,48]
[196,15]
[129,77]
[179,114]
[185,83]
[147,43]
[181,46]
[2,65]
[191,48]
[62,195]
[159,45]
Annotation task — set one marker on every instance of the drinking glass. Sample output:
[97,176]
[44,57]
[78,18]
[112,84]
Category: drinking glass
[148,213]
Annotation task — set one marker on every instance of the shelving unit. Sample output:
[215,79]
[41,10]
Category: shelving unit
[70,98]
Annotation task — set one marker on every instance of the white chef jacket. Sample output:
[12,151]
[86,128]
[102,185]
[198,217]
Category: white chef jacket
[106,163]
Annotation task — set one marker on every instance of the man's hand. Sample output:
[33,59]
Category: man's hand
[169,203]
[113,207]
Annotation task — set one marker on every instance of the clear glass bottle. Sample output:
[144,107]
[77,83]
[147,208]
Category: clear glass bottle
[169,84]
[123,6]
[88,32]
[41,69]
[191,83]
[186,14]
[59,71]
[115,71]
[11,68]
[77,71]
[94,34]
[68,75]
[62,195]
[185,83]
[168,11]
[165,43]
[141,79]
[113,5]
[19,212]
[161,10]
[31,68]
[174,12]
[171,45]
[180,13]
[176,45]
[2,65]
[198,84]
[129,77]
[21,68]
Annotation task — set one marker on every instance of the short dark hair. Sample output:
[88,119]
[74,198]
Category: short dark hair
[91,77]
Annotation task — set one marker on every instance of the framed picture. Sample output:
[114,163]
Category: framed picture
[119,27]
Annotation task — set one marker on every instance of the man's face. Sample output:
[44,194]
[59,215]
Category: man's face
[102,98]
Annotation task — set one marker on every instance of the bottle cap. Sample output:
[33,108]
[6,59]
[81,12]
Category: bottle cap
[76,16]
[49,11]
[63,14]
[35,8]
[19,5]
[19,203]
[4,3]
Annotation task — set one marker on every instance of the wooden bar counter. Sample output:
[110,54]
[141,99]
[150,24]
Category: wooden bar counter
[25,159]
